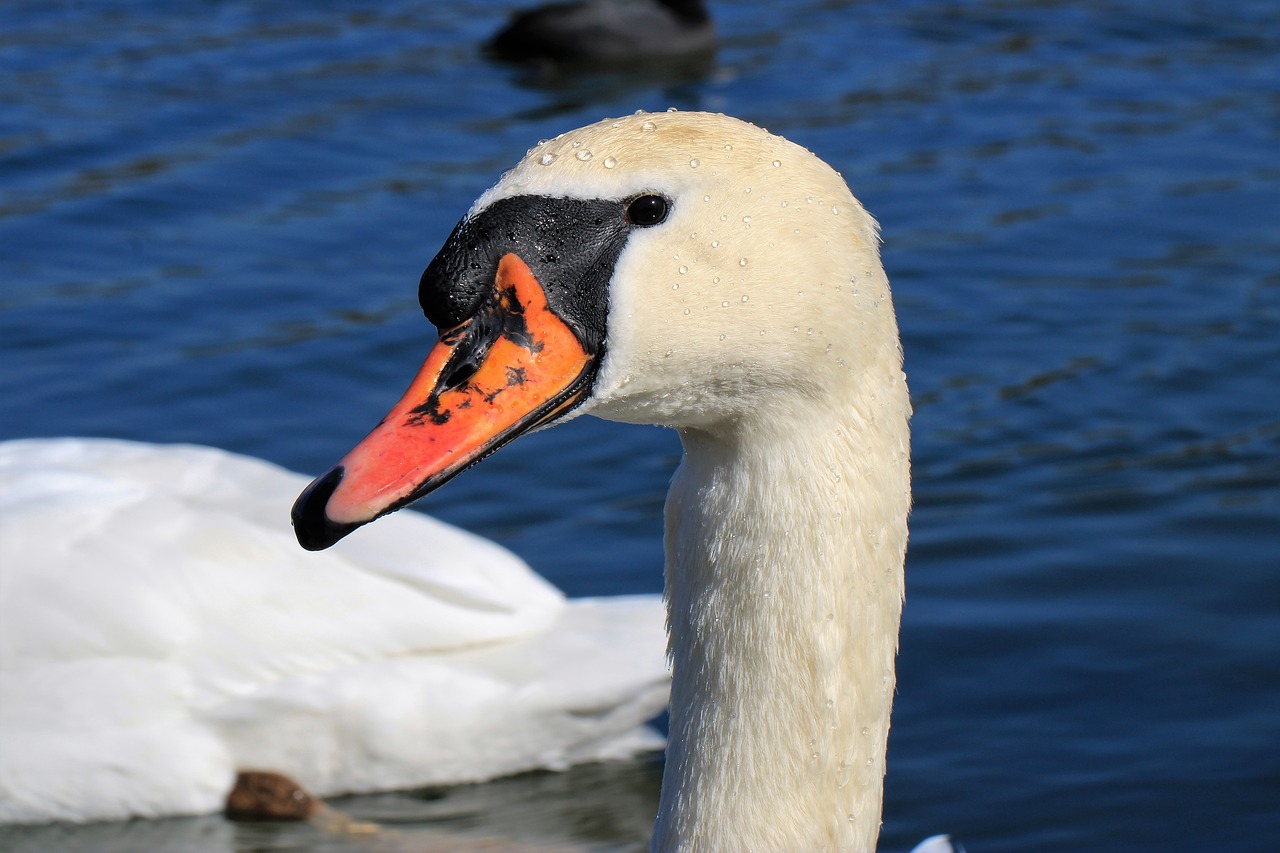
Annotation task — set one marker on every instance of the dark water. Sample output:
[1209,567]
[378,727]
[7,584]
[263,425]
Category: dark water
[212,220]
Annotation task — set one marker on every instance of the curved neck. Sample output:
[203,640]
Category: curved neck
[784,548]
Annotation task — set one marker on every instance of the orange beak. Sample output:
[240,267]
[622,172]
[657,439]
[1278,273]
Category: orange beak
[512,366]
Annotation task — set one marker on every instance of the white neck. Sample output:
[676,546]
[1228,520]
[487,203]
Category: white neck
[785,540]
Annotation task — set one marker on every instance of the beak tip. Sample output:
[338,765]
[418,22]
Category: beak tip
[311,522]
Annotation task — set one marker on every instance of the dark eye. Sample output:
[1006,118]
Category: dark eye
[647,210]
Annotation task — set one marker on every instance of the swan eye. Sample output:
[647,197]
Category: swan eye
[647,210]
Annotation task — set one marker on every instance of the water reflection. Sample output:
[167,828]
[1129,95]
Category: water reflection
[603,807]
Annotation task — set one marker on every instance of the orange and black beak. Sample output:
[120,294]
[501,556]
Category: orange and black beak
[512,364]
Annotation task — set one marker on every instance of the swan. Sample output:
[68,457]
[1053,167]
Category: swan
[694,271]
[159,630]
[606,31]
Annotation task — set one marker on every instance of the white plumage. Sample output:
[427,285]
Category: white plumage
[160,628]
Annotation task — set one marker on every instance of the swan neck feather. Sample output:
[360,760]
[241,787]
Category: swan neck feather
[785,540]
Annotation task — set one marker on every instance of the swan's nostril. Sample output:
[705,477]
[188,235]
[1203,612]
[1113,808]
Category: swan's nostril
[461,372]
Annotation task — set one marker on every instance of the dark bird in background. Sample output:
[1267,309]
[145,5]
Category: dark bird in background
[606,31]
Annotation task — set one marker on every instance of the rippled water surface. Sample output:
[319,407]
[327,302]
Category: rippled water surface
[212,221]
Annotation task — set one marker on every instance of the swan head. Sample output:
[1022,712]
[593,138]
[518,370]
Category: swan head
[683,269]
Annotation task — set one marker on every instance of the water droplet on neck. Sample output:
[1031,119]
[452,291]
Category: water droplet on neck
[547,159]
[742,262]
[584,154]
[610,162]
[777,163]
[648,127]
[695,163]
[683,269]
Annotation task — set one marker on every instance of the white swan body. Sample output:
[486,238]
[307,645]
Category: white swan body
[745,305]
[159,629]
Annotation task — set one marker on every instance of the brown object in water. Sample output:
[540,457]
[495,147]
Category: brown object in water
[267,795]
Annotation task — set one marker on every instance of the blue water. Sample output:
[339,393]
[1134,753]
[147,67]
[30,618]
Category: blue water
[212,221]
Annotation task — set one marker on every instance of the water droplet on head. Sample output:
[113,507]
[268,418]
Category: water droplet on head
[695,162]
[675,286]
[724,304]
[715,244]
[584,154]
[742,262]
[728,147]
[744,297]
[683,269]
[722,337]
[835,210]
[746,219]
[777,163]
[648,127]
[610,162]
[706,198]
[547,159]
